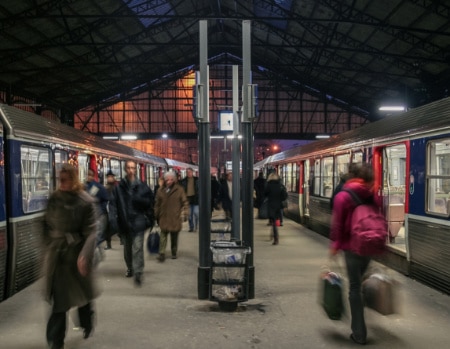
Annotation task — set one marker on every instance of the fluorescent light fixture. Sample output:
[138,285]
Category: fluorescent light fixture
[111,137]
[216,137]
[322,136]
[128,137]
[27,104]
[392,108]
[164,135]
[232,136]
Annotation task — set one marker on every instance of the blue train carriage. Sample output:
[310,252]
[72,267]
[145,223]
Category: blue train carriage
[410,154]
[33,150]
[3,240]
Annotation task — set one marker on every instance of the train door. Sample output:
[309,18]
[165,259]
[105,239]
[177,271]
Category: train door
[392,184]
[304,190]
[3,240]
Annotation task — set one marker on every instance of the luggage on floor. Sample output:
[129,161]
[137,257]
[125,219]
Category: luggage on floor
[331,297]
[379,293]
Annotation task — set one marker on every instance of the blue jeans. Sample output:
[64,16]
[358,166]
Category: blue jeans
[356,267]
[193,216]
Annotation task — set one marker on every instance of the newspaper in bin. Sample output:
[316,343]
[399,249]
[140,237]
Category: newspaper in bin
[228,252]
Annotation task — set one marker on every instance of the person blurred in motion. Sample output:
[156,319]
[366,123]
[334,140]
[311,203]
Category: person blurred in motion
[171,209]
[215,193]
[259,184]
[159,184]
[98,191]
[360,181]
[110,228]
[226,195]
[190,185]
[70,227]
[132,207]
[274,194]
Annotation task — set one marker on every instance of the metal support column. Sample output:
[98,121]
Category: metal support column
[247,157]
[204,142]
[236,186]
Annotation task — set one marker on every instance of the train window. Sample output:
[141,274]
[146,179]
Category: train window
[438,176]
[115,168]
[288,176]
[323,177]
[357,157]
[61,157]
[83,166]
[340,167]
[317,177]
[35,173]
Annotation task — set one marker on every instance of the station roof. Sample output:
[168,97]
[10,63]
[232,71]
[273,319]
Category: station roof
[72,54]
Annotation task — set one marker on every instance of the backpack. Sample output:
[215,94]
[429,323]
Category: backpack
[368,228]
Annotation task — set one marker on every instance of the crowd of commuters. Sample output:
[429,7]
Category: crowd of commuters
[80,217]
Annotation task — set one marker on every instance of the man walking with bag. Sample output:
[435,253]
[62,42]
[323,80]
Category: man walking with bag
[171,210]
[132,206]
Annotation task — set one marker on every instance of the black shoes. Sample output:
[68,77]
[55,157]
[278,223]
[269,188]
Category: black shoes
[161,258]
[174,256]
[129,273]
[357,341]
[138,280]
[87,332]
[191,230]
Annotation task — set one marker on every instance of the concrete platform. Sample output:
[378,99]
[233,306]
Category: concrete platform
[165,312]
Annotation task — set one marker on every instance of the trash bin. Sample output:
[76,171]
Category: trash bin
[220,229]
[229,274]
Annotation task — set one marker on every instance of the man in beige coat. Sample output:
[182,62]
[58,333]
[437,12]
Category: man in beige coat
[171,210]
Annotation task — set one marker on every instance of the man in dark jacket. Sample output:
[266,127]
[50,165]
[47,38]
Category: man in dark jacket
[133,207]
[190,185]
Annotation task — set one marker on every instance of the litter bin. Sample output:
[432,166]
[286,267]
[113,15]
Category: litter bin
[229,274]
[220,229]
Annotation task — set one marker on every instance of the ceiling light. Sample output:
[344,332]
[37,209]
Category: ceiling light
[128,137]
[392,108]
[322,136]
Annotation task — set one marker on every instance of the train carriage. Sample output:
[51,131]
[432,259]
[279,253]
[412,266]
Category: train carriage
[410,155]
[32,149]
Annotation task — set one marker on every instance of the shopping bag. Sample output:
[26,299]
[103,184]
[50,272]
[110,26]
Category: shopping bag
[379,293]
[332,301]
[153,241]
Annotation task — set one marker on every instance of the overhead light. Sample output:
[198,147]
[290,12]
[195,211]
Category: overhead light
[128,137]
[322,136]
[392,108]
[232,136]
[216,137]
[164,135]
[27,104]
[111,137]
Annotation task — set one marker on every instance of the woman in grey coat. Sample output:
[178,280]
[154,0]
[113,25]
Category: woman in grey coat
[69,233]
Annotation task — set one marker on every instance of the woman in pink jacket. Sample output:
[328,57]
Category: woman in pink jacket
[361,183]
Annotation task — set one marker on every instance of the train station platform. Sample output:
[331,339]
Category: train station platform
[166,313]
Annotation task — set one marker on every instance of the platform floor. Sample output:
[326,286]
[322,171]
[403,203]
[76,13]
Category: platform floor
[166,313]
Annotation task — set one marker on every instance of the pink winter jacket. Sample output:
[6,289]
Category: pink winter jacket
[343,206]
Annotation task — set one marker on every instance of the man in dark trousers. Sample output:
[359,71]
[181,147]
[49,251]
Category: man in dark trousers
[190,185]
[133,207]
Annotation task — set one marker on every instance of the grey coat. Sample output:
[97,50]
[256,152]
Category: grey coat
[69,231]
